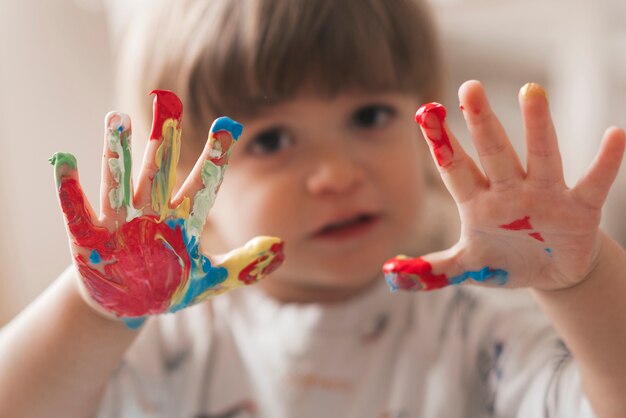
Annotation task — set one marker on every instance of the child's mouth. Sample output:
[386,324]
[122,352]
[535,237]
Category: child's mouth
[348,228]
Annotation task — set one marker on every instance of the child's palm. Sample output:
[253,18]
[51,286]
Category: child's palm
[142,256]
[542,237]
[519,227]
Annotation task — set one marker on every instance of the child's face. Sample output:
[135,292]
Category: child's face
[339,180]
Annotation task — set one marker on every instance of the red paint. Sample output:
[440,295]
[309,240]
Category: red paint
[523,224]
[537,236]
[414,274]
[78,218]
[225,140]
[125,283]
[518,224]
[166,106]
[436,112]
[247,276]
[461,107]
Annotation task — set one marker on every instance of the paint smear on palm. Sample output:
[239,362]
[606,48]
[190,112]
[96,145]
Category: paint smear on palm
[152,263]
[415,274]
[523,224]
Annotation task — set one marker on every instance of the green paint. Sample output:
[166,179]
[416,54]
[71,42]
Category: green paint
[120,169]
[125,140]
[212,176]
[60,160]
[63,158]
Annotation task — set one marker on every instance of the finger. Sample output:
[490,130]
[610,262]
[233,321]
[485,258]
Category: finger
[246,265]
[436,271]
[543,159]
[158,172]
[497,156]
[206,177]
[116,193]
[79,215]
[593,187]
[459,173]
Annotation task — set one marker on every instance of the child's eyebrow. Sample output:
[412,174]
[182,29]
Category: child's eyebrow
[278,111]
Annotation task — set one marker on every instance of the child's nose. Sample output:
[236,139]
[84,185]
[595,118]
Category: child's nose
[337,173]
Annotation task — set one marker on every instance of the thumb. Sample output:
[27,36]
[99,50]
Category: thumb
[247,265]
[435,271]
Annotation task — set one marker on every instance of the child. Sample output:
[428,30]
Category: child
[329,161]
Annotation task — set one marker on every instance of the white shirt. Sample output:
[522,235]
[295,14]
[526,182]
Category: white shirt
[455,352]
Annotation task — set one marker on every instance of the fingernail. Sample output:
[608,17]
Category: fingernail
[530,90]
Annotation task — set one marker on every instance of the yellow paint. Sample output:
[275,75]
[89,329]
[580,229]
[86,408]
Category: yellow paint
[166,160]
[235,261]
[530,90]
[182,210]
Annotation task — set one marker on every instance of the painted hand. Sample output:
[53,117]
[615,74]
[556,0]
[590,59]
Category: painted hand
[520,227]
[141,257]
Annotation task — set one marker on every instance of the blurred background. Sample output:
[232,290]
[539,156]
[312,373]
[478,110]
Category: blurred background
[57,83]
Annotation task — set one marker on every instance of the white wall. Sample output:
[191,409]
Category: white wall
[56,86]
[575,49]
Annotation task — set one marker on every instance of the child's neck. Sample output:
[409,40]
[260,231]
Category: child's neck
[304,294]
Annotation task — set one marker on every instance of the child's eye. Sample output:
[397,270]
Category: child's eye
[270,141]
[373,116]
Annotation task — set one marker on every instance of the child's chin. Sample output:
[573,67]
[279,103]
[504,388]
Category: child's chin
[329,289]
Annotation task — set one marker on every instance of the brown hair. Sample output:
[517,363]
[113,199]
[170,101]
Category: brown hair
[232,57]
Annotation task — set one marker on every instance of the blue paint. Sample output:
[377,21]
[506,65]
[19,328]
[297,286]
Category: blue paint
[135,322]
[94,257]
[202,275]
[548,250]
[485,274]
[227,124]
[389,279]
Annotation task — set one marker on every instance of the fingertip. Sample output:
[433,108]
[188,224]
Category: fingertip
[470,87]
[166,105]
[437,110]
[225,123]
[530,91]
[65,166]
[117,121]
[615,139]
[262,244]
[432,117]
[615,132]
[472,97]
[60,159]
